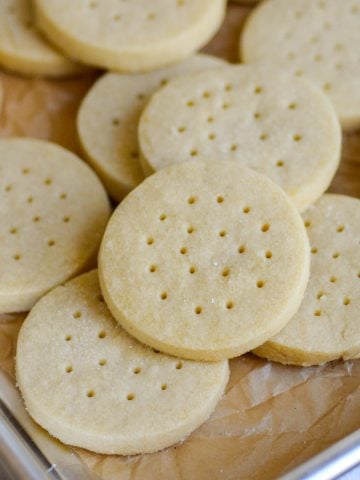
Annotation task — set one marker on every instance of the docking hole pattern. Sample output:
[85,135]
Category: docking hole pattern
[243,114]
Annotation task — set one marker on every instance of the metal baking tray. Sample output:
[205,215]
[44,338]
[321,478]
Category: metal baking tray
[27,452]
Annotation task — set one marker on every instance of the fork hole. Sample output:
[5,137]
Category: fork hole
[225,272]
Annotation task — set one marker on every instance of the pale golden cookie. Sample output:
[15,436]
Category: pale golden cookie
[108,119]
[280,126]
[99,388]
[327,325]
[132,36]
[204,260]
[315,39]
[53,212]
[23,49]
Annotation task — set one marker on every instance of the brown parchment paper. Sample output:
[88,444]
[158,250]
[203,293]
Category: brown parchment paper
[272,417]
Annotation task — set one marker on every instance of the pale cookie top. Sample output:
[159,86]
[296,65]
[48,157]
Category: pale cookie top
[99,388]
[326,327]
[135,35]
[282,127]
[23,49]
[108,120]
[204,259]
[315,39]
[53,212]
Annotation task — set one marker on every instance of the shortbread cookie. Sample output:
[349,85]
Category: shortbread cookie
[130,36]
[326,327]
[53,212]
[316,39]
[204,260]
[99,388]
[108,120]
[282,127]
[23,49]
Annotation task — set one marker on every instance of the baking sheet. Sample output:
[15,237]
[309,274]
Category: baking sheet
[272,417]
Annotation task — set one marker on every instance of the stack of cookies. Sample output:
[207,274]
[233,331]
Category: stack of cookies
[223,242]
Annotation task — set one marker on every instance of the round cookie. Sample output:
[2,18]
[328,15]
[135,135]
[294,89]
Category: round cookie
[99,388]
[131,36]
[316,39]
[204,260]
[108,119]
[53,212]
[326,327]
[23,49]
[282,127]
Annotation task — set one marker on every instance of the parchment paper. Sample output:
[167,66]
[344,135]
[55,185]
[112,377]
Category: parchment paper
[272,417]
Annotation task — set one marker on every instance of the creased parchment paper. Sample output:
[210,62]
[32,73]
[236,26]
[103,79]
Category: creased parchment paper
[272,417]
